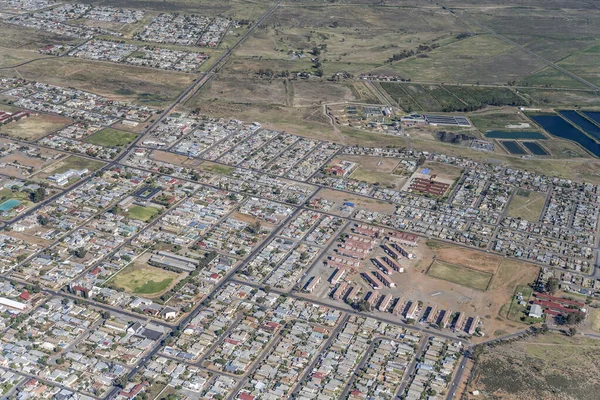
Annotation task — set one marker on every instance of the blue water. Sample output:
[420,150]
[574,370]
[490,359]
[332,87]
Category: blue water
[535,148]
[557,126]
[9,205]
[588,127]
[593,115]
[513,147]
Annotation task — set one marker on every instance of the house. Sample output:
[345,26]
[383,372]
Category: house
[536,311]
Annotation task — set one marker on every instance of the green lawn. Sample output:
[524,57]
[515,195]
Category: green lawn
[142,213]
[109,137]
[460,275]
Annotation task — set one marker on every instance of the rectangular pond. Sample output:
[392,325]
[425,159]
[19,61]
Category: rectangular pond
[593,115]
[513,147]
[514,135]
[559,127]
[588,127]
[535,148]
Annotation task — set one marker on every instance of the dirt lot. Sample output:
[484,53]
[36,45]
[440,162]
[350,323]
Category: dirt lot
[34,127]
[547,367]
[360,202]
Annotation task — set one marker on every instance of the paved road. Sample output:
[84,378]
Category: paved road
[318,356]
[410,370]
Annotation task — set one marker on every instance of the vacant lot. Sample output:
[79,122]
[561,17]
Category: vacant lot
[111,138]
[142,85]
[142,213]
[550,366]
[144,280]
[526,205]
[34,127]
[462,275]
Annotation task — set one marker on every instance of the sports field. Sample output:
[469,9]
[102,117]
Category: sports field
[111,138]
[144,280]
[464,276]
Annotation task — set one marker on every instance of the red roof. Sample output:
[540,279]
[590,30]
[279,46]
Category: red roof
[25,296]
[245,396]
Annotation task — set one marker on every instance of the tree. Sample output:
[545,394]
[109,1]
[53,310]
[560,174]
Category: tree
[574,318]
[572,331]
[38,195]
[552,285]
[543,329]
[79,252]
[121,382]
[43,220]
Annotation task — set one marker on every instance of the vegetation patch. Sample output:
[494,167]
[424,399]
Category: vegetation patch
[549,366]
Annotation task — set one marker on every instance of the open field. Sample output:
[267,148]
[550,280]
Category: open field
[111,138]
[461,275]
[144,280]
[116,81]
[560,98]
[34,127]
[142,213]
[216,168]
[551,366]
[375,170]
[481,58]
[356,38]
[499,121]
[526,205]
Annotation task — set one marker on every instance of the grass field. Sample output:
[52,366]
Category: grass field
[142,213]
[34,126]
[111,138]
[526,205]
[550,366]
[144,280]
[464,276]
